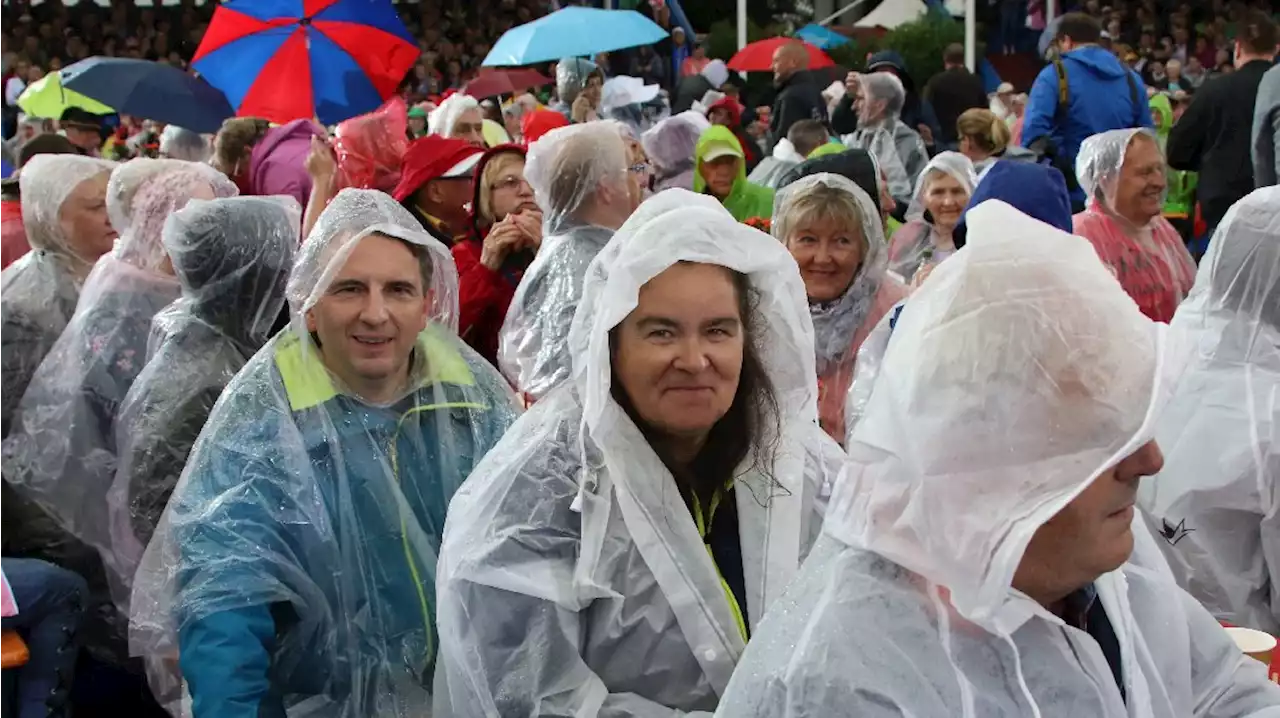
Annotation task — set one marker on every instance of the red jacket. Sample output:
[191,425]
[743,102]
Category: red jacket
[483,298]
[13,234]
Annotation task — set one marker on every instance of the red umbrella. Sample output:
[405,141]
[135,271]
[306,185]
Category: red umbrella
[494,81]
[758,56]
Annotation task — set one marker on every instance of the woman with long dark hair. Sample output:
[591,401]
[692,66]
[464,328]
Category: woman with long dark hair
[612,554]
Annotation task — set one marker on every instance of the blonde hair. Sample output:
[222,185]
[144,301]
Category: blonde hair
[820,203]
[495,168]
[984,129]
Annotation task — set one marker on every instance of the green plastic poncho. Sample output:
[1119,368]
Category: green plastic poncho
[1181,199]
[746,200]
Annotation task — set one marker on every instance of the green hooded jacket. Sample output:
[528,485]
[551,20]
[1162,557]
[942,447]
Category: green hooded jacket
[745,200]
[1181,198]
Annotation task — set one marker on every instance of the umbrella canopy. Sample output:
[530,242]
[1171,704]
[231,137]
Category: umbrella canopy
[758,56]
[47,98]
[289,59]
[493,82]
[821,36]
[149,90]
[573,32]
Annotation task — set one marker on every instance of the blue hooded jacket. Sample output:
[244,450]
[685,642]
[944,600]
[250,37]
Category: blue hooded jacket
[1098,99]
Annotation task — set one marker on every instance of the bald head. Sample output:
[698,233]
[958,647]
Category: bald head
[789,59]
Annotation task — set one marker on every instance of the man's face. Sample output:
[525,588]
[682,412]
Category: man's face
[719,116]
[370,316]
[417,125]
[1139,193]
[84,138]
[83,219]
[783,65]
[448,197]
[719,174]
[470,127]
[1092,536]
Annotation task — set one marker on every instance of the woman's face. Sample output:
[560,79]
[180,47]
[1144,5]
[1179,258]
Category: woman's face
[678,355]
[83,219]
[945,199]
[509,191]
[829,254]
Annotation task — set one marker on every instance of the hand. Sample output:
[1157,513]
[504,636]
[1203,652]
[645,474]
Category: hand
[926,134]
[852,85]
[503,237]
[530,223]
[757,129]
[321,164]
[582,109]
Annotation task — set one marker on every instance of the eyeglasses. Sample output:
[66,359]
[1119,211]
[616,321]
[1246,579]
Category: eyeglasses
[511,182]
[639,168]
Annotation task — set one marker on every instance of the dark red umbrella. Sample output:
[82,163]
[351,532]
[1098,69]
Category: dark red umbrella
[500,81]
[758,56]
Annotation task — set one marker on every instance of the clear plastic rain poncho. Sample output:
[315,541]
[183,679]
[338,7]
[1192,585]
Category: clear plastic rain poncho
[572,74]
[41,288]
[1151,261]
[1218,498]
[772,169]
[182,144]
[569,169]
[573,579]
[670,145]
[629,101]
[841,325]
[1017,375]
[913,245]
[39,293]
[896,148]
[232,257]
[296,558]
[61,449]
[443,118]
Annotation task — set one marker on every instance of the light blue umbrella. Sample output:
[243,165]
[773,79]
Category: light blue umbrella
[821,36]
[573,32]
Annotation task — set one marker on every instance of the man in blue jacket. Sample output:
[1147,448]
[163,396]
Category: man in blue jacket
[1086,90]
[295,565]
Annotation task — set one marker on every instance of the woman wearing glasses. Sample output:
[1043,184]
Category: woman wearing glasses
[589,178]
[505,233]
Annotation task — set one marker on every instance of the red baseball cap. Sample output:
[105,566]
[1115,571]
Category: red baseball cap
[435,157]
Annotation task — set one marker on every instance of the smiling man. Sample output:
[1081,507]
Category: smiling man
[297,555]
[1123,173]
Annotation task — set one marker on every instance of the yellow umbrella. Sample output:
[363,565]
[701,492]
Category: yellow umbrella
[47,98]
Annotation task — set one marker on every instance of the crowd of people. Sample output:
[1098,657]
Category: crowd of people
[890,396]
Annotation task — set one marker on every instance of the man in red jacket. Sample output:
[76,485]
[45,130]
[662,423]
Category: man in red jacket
[506,232]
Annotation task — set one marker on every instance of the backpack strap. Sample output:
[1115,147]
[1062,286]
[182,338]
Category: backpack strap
[1133,95]
[1064,95]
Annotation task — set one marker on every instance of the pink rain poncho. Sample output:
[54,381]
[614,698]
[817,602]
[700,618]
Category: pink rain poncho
[1151,261]
[840,326]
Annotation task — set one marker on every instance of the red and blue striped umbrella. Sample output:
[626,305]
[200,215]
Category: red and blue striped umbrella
[288,59]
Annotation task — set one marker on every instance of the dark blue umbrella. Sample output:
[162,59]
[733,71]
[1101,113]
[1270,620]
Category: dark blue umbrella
[149,90]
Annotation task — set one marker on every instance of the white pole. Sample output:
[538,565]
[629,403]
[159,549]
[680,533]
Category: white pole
[608,4]
[742,24]
[971,35]
[1050,11]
